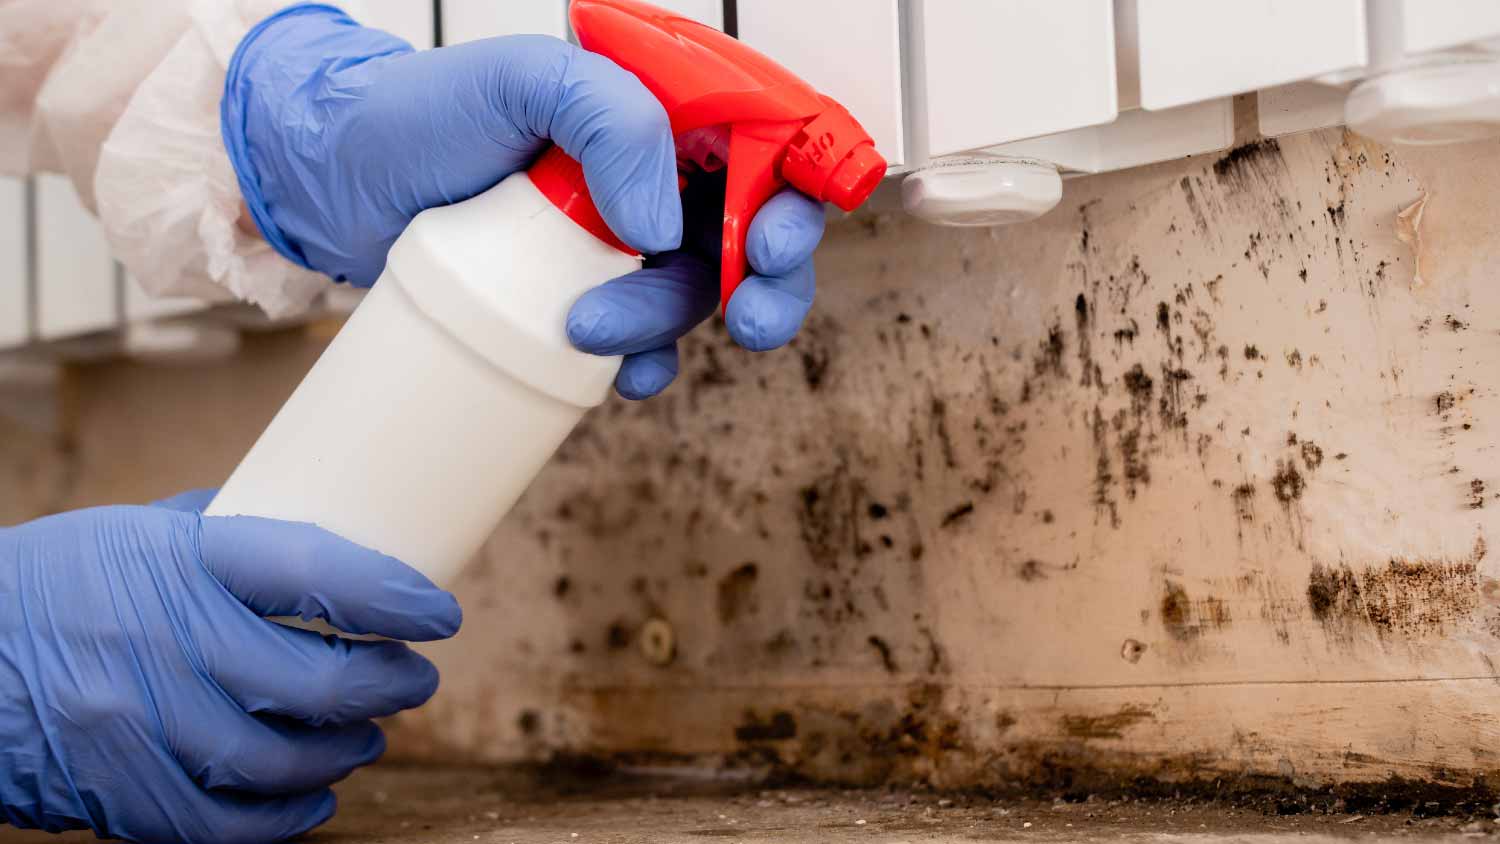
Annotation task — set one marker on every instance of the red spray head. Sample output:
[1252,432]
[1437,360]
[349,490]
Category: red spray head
[779,130]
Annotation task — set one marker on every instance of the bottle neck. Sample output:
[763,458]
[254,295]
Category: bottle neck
[560,178]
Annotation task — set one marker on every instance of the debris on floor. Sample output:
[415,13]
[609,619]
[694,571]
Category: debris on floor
[391,804]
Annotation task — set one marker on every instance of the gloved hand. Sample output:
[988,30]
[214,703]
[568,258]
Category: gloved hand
[340,135]
[143,696]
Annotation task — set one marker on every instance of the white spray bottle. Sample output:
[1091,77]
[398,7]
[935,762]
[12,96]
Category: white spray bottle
[454,381]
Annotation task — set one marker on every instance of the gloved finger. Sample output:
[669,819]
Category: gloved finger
[317,679]
[645,374]
[645,310]
[269,757]
[281,568]
[235,818]
[766,311]
[784,233]
[603,116]
[192,501]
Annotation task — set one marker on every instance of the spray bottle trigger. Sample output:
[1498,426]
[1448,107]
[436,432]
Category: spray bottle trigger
[755,150]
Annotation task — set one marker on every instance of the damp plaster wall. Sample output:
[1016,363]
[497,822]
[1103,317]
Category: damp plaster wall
[1191,478]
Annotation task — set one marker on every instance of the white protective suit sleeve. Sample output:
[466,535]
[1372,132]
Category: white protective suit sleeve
[122,96]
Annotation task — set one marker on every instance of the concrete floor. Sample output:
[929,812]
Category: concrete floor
[395,805]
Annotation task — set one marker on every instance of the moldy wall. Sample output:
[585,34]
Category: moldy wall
[1193,477]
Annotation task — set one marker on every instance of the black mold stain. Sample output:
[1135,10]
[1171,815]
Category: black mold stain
[1186,619]
[1312,455]
[1111,726]
[1252,353]
[1103,476]
[1032,571]
[1245,166]
[779,727]
[1287,483]
[1444,401]
[1244,502]
[1476,494]
[1194,206]
[1173,410]
[1336,214]
[1403,596]
[562,586]
[529,722]
[886,659]
[737,593]
[1139,385]
[958,513]
[618,636]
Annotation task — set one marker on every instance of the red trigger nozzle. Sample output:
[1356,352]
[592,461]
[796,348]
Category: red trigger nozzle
[781,130]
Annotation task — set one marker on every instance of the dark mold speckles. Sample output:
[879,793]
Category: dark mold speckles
[1287,484]
[939,412]
[617,638]
[1444,401]
[529,722]
[1200,221]
[1455,324]
[737,593]
[1031,571]
[1294,359]
[1104,503]
[828,518]
[1476,494]
[710,374]
[1127,334]
[1085,343]
[958,514]
[1244,502]
[1404,597]
[1164,318]
[887,661]
[1312,455]
[1173,410]
[1049,360]
[1252,353]
[1139,386]
[1336,215]
[1111,726]
[562,587]
[1137,471]
[1186,619]
[815,367]
[1250,166]
[781,726]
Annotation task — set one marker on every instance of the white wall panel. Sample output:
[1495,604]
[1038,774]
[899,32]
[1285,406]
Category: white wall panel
[987,72]
[1192,50]
[469,20]
[1300,107]
[1435,24]
[1134,139]
[409,19]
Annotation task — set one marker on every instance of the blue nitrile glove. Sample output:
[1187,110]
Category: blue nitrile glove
[143,696]
[341,134]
